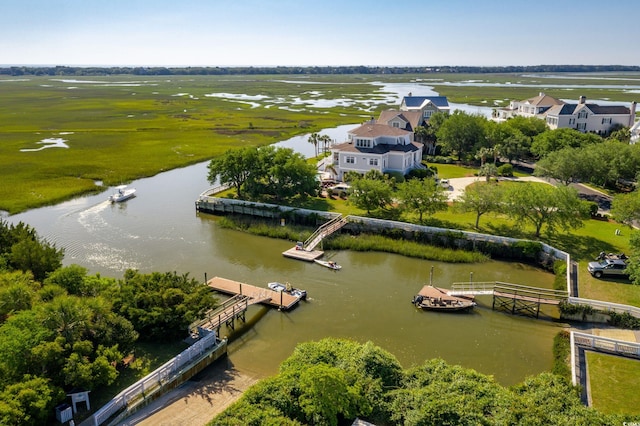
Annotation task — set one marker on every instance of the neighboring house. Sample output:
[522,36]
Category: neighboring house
[376,146]
[427,105]
[532,107]
[584,117]
[590,118]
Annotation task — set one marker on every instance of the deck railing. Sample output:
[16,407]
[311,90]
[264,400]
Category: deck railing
[155,380]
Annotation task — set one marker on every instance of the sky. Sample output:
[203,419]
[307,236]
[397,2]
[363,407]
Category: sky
[319,33]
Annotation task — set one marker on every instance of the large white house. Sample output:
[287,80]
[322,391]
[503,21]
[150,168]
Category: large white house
[582,116]
[376,146]
[592,118]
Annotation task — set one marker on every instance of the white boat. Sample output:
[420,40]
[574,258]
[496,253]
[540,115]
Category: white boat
[328,263]
[122,194]
[276,286]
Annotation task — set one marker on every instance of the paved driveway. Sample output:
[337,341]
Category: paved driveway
[457,185]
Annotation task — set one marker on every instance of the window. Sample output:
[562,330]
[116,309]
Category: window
[606,120]
[581,126]
[363,143]
[396,124]
[373,161]
[336,157]
[427,113]
[582,114]
[350,160]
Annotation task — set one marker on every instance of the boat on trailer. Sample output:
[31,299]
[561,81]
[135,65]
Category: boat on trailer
[287,288]
[328,264]
[122,194]
[432,298]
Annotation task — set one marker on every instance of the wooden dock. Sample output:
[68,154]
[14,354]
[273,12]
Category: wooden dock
[262,295]
[301,254]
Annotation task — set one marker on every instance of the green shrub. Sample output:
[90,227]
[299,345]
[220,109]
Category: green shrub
[505,170]
[560,271]
[562,354]
[624,320]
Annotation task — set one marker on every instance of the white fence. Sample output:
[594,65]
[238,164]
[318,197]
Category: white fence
[599,344]
[161,376]
[606,306]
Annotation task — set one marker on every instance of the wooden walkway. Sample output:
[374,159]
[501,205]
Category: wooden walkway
[262,295]
[514,298]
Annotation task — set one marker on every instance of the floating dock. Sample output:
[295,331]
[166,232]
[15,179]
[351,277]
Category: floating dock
[263,295]
[301,254]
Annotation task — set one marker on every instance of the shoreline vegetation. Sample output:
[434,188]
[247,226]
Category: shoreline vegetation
[364,242]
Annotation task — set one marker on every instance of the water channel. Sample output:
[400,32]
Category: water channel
[368,299]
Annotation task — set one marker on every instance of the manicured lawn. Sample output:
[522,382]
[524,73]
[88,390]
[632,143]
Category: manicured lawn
[615,387]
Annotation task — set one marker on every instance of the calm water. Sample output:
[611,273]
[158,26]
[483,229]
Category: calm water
[369,299]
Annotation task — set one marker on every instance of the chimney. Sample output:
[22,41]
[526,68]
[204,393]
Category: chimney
[632,114]
[582,99]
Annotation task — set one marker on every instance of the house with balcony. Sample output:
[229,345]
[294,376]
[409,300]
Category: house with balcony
[375,146]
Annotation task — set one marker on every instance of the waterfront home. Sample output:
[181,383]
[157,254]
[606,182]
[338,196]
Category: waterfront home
[426,105]
[582,116]
[588,117]
[376,146]
[407,120]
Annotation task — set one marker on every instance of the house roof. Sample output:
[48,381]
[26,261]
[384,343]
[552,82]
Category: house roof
[543,100]
[378,149]
[420,101]
[570,109]
[411,117]
[609,109]
[374,130]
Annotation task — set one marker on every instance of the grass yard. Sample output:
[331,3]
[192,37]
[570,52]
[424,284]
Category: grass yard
[615,388]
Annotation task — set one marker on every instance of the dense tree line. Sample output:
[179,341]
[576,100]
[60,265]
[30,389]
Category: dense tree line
[265,173]
[292,70]
[61,328]
[333,381]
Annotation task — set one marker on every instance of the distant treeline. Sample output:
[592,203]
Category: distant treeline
[93,71]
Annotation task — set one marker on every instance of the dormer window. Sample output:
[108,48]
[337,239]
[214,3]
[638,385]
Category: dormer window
[363,143]
[582,114]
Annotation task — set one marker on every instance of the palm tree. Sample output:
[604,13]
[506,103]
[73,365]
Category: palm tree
[326,141]
[488,170]
[314,139]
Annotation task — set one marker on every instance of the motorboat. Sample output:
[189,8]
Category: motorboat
[122,194]
[329,264]
[437,299]
[287,288]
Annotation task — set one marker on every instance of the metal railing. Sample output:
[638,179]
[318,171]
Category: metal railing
[155,380]
[472,288]
[216,317]
[605,344]
[324,230]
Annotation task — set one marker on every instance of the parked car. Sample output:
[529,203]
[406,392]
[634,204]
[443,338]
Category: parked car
[445,183]
[612,267]
[340,189]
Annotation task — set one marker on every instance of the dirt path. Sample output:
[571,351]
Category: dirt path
[198,400]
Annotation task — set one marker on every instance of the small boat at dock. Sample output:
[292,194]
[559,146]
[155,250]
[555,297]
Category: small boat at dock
[328,264]
[437,299]
[122,194]
[286,288]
